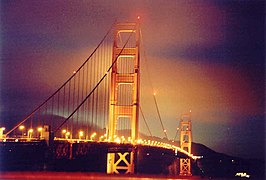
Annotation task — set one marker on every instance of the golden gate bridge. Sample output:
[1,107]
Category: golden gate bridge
[99,107]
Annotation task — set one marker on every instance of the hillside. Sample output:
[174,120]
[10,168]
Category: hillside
[215,164]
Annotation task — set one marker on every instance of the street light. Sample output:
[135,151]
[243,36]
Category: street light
[67,135]
[40,131]
[21,128]
[81,134]
[30,131]
[93,135]
[123,139]
[64,132]
[101,138]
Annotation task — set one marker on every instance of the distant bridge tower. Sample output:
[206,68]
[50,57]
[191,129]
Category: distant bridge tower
[185,143]
[124,97]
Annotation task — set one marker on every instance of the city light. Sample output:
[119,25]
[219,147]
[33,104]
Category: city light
[2,132]
[242,174]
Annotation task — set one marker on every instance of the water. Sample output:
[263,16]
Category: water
[81,176]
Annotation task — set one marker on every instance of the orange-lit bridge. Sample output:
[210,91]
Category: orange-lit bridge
[91,122]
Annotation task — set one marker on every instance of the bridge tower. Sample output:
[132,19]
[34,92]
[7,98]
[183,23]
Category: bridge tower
[185,143]
[124,97]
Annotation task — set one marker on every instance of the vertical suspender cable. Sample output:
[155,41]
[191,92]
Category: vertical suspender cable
[68,108]
[64,98]
[73,105]
[77,124]
[82,91]
[164,130]
[95,87]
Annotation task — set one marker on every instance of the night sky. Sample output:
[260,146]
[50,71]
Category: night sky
[204,56]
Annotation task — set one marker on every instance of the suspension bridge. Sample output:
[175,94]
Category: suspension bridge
[96,114]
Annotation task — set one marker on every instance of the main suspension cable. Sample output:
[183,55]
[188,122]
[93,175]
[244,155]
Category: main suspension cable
[158,112]
[142,114]
[92,91]
[155,101]
[50,97]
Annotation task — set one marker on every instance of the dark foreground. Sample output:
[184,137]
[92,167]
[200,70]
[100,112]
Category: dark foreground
[81,176]
[35,160]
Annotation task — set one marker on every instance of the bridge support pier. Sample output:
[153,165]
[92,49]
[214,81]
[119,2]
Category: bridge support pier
[185,143]
[125,78]
[120,163]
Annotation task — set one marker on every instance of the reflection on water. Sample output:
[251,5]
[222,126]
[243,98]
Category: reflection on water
[81,176]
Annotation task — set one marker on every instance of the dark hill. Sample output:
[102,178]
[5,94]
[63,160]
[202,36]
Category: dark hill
[215,164]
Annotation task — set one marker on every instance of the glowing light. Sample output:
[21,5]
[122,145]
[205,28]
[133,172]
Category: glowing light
[64,131]
[81,133]
[139,141]
[21,127]
[93,135]
[129,139]
[2,132]
[164,130]
[67,134]
[138,17]
[74,72]
[30,131]
[117,140]
[40,131]
[242,174]
[154,93]
[123,139]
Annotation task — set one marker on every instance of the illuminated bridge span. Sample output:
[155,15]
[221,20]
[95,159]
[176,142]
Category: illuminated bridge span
[99,103]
